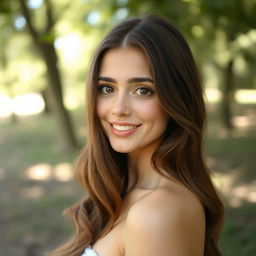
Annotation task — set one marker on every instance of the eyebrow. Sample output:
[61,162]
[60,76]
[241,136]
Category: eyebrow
[131,80]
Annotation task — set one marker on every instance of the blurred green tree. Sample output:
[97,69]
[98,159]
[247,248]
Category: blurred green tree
[229,19]
[42,34]
[44,41]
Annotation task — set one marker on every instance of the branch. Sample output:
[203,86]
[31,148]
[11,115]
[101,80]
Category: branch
[26,14]
[49,16]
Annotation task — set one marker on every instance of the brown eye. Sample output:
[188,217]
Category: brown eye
[106,89]
[144,91]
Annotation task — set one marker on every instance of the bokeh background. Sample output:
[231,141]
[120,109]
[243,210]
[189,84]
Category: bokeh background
[45,48]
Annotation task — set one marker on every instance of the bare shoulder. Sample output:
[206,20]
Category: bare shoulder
[167,219]
[168,203]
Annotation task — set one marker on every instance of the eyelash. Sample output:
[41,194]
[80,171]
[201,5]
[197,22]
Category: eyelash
[101,87]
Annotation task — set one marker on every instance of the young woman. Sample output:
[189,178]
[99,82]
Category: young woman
[149,192]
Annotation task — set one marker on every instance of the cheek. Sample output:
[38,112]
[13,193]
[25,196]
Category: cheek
[152,111]
[101,108]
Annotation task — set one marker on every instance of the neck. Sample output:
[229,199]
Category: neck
[140,163]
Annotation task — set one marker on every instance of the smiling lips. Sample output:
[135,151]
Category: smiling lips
[123,129]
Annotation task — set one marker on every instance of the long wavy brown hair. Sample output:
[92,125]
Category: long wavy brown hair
[103,173]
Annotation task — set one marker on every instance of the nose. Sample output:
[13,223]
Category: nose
[121,106]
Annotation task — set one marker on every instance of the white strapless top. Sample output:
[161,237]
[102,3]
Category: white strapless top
[89,252]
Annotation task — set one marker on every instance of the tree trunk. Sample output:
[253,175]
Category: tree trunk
[228,96]
[48,109]
[48,53]
[47,50]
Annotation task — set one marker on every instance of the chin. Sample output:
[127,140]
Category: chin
[121,149]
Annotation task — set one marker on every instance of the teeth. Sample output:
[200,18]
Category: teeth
[122,127]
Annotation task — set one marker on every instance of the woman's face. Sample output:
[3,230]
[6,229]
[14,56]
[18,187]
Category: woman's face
[127,104]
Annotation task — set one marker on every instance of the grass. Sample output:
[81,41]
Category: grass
[30,214]
[238,236]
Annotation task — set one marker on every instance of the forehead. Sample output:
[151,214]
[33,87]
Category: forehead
[128,61]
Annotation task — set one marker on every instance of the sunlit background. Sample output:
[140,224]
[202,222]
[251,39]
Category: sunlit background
[38,151]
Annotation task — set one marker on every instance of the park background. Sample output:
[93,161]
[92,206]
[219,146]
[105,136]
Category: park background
[45,49]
